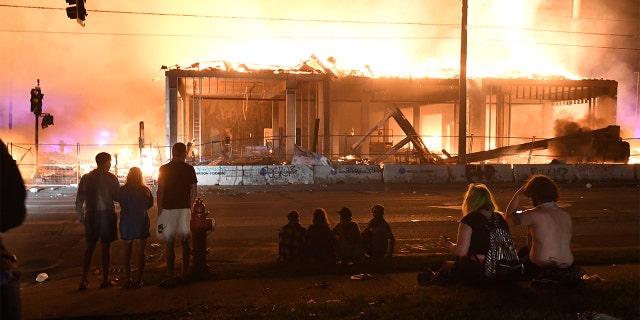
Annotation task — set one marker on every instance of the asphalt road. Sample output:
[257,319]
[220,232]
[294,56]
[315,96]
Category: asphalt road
[248,217]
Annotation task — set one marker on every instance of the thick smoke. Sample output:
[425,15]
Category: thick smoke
[100,79]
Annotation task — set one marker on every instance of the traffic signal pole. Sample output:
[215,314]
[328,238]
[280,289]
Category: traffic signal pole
[36,162]
[36,108]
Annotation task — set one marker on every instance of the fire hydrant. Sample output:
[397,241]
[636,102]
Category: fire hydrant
[200,227]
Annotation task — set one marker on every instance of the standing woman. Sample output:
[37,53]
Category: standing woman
[135,199]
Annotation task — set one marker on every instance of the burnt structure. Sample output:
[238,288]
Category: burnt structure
[241,112]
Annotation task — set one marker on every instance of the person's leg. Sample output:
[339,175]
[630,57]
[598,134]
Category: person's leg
[86,263]
[105,247]
[128,244]
[10,300]
[183,231]
[140,260]
[186,256]
[170,259]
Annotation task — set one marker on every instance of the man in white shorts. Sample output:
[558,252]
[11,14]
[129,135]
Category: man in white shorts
[177,189]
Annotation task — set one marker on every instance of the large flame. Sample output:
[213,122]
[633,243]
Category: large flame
[100,76]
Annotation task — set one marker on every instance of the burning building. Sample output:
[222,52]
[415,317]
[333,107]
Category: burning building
[240,113]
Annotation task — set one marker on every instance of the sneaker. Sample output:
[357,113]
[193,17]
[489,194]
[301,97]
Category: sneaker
[426,278]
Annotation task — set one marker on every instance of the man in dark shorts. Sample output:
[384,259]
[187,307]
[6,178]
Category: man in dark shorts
[97,191]
[177,190]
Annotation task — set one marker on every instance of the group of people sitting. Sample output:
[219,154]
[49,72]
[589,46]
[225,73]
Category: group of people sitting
[483,249]
[345,243]
[546,256]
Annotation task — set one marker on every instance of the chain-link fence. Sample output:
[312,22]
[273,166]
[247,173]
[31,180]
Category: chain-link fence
[64,164]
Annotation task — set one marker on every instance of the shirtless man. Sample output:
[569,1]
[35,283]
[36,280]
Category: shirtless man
[549,227]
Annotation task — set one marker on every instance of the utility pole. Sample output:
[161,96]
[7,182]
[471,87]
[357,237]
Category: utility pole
[462,116]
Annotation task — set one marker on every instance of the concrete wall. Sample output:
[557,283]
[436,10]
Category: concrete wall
[396,173]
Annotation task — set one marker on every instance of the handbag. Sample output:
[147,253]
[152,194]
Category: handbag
[502,260]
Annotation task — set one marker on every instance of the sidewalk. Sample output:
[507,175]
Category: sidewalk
[223,298]
[60,299]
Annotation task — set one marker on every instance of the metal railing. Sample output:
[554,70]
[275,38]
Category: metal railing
[64,164]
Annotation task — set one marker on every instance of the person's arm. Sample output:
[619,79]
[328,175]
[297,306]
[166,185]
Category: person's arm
[193,193]
[512,207]
[392,244]
[80,201]
[461,248]
[160,194]
[114,189]
[149,196]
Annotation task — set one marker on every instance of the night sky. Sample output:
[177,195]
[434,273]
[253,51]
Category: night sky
[101,80]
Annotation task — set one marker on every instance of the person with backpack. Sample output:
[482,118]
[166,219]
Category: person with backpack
[479,215]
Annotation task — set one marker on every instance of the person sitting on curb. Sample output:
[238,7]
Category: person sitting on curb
[318,246]
[291,239]
[377,237]
[548,248]
[347,239]
[473,240]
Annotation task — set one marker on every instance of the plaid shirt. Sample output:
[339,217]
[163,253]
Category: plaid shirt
[291,240]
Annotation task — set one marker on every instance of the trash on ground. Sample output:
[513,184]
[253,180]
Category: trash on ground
[42,277]
[362,276]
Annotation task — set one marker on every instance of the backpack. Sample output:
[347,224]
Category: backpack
[501,261]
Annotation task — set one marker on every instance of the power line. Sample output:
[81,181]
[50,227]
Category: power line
[235,36]
[558,31]
[310,20]
[246,17]
[561,44]
[311,37]
[317,20]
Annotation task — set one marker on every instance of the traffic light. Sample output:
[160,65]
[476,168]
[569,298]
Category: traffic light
[47,120]
[36,101]
[76,10]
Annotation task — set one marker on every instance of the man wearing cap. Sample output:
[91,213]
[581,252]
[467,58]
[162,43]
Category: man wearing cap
[377,237]
[348,240]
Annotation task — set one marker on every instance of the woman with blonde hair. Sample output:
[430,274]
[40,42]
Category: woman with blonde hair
[479,210]
[135,199]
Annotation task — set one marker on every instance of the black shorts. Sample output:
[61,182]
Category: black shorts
[101,225]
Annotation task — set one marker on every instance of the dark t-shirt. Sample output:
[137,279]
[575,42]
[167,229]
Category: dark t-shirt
[480,231]
[319,243]
[178,177]
[97,190]
[375,238]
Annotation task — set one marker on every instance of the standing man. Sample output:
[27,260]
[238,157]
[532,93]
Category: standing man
[97,191]
[177,190]
[549,226]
